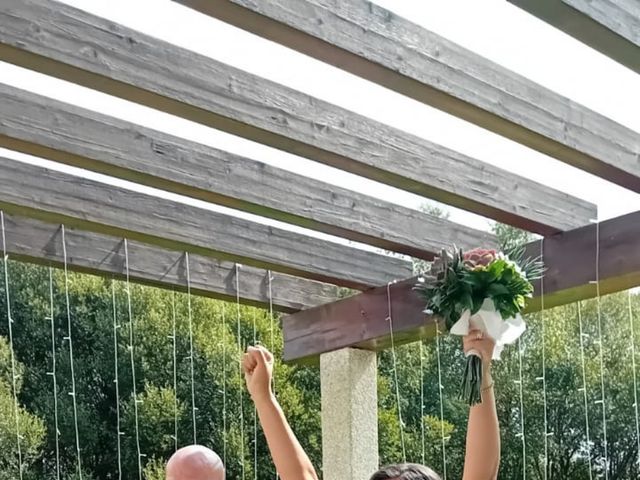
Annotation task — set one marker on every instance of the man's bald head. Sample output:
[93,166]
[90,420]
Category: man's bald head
[195,462]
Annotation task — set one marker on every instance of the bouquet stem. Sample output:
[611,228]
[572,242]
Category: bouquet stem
[471,391]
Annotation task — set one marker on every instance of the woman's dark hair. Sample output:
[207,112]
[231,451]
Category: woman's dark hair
[405,471]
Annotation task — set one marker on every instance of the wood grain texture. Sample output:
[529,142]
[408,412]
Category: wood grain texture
[62,41]
[39,242]
[570,259]
[57,197]
[51,129]
[374,43]
[609,26]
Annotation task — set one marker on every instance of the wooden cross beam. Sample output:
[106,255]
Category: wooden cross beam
[610,26]
[82,203]
[570,259]
[34,241]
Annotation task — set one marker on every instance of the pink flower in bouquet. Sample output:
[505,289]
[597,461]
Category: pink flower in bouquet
[478,258]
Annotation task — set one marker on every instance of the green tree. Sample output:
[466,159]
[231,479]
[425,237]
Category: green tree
[31,428]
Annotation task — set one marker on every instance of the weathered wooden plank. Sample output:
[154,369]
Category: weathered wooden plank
[51,129]
[570,259]
[62,41]
[53,196]
[609,26]
[38,242]
[374,43]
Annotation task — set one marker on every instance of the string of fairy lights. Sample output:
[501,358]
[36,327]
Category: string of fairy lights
[422,405]
[53,373]
[240,370]
[543,378]
[603,399]
[174,358]
[272,333]
[521,433]
[131,348]
[394,361]
[632,351]
[224,383]
[69,339]
[14,374]
[194,409]
[583,389]
[116,381]
[255,410]
[443,437]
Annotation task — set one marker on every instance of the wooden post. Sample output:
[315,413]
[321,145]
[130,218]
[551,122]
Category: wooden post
[349,414]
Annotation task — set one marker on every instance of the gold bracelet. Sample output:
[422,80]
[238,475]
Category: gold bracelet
[488,387]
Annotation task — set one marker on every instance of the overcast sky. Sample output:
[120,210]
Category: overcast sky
[492,28]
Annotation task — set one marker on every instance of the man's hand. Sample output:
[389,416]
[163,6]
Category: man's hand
[292,463]
[257,364]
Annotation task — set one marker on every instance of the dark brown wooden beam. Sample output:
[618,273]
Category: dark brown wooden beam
[570,258]
[376,44]
[76,201]
[47,128]
[609,26]
[38,242]
[59,40]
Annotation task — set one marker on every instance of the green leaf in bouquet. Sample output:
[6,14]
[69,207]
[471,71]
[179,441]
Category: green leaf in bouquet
[478,300]
[495,289]
[467,302]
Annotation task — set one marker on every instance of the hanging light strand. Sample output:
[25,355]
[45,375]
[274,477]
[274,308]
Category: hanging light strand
[136,401]
[53,372]
[14,375]
[422,430]
[240,396]
[632,342]
[543,377]
[255,411]
[395,372]
[603,399]
[271,325]
[583,389]
[191,360]
[521,434]
[175,370]
[116,380]
[272,334]
[441,396]
[70,340]
[224,384]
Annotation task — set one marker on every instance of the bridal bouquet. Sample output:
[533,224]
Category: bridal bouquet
[480,290]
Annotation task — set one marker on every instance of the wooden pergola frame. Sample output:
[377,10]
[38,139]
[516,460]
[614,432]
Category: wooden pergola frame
[303,273]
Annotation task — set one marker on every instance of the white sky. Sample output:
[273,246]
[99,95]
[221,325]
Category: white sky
[492,28]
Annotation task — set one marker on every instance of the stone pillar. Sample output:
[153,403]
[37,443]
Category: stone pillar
[349,414]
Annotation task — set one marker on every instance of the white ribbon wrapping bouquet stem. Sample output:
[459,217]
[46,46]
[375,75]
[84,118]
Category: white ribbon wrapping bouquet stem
[491,324]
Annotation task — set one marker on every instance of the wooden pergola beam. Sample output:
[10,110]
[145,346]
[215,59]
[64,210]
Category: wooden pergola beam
[610,26]
[34,241]
[75,201]
[570,258]
[47,128]
[374,43]
[59,40]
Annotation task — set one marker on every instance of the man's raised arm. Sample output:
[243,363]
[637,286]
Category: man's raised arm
[291,461]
